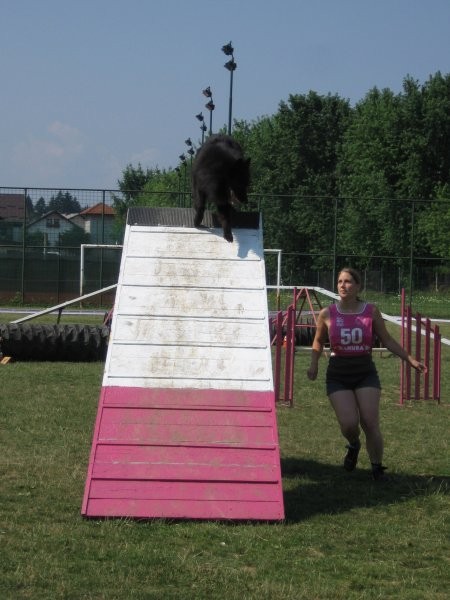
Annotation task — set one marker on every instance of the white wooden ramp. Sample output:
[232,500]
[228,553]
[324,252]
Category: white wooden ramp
[186,423]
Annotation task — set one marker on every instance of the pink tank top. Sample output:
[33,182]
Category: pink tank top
[351,334]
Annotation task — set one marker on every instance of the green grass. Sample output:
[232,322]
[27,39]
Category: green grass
[52,319]
[344,536]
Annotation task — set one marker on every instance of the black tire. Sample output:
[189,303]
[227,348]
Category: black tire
[304,336]
[72,343]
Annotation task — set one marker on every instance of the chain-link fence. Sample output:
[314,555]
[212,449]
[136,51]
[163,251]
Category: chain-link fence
[56,242]
[41,235]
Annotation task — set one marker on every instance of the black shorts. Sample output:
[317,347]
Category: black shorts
[351,373]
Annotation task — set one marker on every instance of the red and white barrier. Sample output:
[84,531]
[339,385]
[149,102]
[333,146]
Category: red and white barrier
[423,341]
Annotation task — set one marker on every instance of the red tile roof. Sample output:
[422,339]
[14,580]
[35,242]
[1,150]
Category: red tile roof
[97,209]
[12,207]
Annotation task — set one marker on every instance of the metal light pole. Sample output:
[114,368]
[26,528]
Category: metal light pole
[230,66]
[183,162]
[178,172]
[191,153]
[188,143]
[203,127]
[209,105]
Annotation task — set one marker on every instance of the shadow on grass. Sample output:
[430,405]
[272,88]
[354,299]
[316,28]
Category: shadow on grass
[329,489]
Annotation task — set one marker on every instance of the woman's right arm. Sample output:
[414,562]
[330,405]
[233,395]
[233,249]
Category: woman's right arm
[318,343]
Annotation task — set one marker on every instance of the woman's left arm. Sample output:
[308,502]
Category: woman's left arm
[392,345]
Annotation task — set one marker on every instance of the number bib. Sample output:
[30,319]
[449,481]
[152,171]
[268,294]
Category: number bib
[351,334]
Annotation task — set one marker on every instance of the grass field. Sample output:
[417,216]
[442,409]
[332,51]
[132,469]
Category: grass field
[344,536]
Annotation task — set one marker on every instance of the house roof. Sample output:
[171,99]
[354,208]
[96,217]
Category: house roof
[12,207]
[48,214]
[97,209]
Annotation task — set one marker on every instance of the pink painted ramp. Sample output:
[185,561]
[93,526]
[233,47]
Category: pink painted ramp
[175,453]
[186,424]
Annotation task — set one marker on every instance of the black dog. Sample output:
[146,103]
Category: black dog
[220,175]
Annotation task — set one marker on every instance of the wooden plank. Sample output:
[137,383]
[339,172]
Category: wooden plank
[185,472]
[182,509]
[178,397]
[206,384]
[251,437]
[173,302]
[186,490]
[192,273]
[161,454]
[191,243]
[185,417]
[185,362]
[187,331]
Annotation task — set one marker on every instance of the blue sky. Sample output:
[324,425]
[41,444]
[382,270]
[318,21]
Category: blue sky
[93,85]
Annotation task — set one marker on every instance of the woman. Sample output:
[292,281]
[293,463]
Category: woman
[352,382]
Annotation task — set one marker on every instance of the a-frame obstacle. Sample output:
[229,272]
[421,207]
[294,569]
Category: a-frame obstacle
[186,423]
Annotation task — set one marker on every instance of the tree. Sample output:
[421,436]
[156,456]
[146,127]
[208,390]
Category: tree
[40,208]
[29,210]
[74,237]
[294,157]
[64,203]
[168,188]
[372,223]
[434,223]
[131,185]
[396,151]
[318,163]
[436,131]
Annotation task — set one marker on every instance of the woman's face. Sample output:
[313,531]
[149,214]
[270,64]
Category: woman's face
[347,286]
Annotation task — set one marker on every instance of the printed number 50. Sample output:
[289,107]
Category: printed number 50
[351,336]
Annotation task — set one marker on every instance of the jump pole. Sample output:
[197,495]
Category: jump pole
[287,342]
[431,358]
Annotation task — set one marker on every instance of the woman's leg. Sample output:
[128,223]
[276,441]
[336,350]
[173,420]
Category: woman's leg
[368,400]
[347,413]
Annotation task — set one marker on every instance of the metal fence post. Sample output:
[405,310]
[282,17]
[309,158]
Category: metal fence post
[22,283]
[411,254]
[335,238]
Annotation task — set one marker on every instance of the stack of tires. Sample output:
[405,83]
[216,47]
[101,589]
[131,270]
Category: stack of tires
[73,343]
[304,332]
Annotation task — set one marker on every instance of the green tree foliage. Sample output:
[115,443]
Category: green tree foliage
[34,239]
[64,203]
[434,224]
[40,208]
[154,187]
[368,176]
[74,237]
[317,124]
[131,185]
[436,125]
[294,159]
[29,210]
[168,188]
[396,150]
[318,164]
